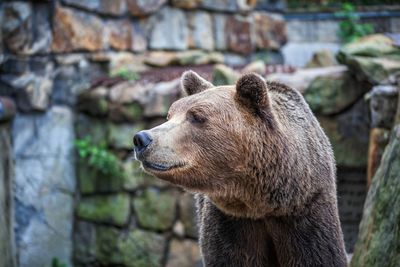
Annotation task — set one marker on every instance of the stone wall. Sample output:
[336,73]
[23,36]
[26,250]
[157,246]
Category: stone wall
[53,51]
[311,32]
[131,219]
[7,251]
[67,65]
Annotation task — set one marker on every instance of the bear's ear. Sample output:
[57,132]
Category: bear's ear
[252,93]
[192,83]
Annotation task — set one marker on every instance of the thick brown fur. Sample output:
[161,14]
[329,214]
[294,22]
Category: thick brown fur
[263,171]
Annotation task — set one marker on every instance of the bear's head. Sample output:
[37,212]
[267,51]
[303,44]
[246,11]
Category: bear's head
[225,142]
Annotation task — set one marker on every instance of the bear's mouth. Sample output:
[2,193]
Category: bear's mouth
[160,167]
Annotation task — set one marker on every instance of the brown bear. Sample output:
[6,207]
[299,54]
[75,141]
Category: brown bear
[262,168]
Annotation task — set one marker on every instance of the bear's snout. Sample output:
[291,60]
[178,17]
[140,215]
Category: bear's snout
[141,140]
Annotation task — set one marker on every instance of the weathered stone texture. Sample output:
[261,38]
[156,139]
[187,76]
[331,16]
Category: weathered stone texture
[120,34]
[114,7]
[156,210]
[381,216]
[377,142]
[375,58]
[200,24]
[6,202]
[75,31]
[334,93]
[383,106]
[44,182]
[238,30]
[111,209]
[169,30]
[144,7]
[270,30]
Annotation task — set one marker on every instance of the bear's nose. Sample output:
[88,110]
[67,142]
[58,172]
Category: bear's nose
[141,140]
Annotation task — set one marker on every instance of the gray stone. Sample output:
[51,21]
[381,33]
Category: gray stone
[68,83]
[6,202]
[169,30]
[221,5]
[44,182]
[33,91]
[383,106]
[27,28]
[144,7]
[200,24]
[160,97]
[41,243]
[219,22]
[49,134]
[36,177]
[17,26]
[299,54]
[302,78]
[115,7]
[313,31]
[139,36]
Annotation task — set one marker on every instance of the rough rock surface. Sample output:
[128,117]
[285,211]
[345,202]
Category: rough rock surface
[381,216]
[171,21]
[74,30]
[44,181]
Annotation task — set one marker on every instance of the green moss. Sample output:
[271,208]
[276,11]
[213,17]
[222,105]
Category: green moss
[113,209]
[135,249]
[120,135]
[333,94]
[142,249]
[379,238]
[155,209]
[93,181]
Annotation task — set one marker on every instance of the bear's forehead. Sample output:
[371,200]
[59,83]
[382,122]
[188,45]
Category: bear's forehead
[213,98]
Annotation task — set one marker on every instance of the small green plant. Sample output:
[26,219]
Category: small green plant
[55,262]
[350,28]
[98,157]
[126,74]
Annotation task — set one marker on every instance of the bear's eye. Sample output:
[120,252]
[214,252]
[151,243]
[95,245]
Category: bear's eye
[195,117]
[168,116]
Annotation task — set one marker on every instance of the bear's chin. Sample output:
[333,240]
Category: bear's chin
[155,168]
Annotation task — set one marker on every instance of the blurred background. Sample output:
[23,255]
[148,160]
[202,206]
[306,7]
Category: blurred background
[79,77]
